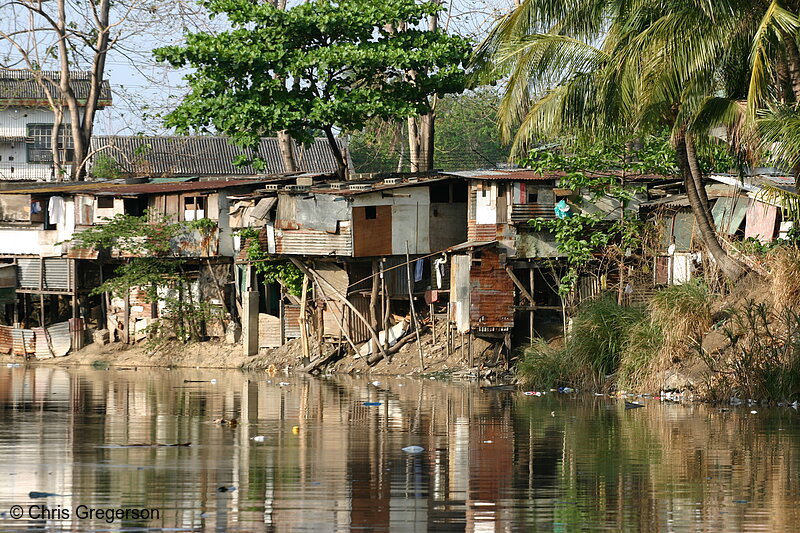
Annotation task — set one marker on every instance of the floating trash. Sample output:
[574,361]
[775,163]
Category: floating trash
[230,488]
[633,405]
[533,393]
[566,390]
[259,438]
[371,404]
[213,381]
[284,383]
[295,429]
[35,494]
[753,412]
[376,383]
[413,449]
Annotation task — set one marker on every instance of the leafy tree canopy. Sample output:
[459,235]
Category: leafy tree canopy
[466,137]
[320,65]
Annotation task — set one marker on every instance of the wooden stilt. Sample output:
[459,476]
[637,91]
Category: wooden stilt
[433,321]
[342,298]
[373,303]
[469,349]
[531,314]
[303,332]
[413,313]
[387,305]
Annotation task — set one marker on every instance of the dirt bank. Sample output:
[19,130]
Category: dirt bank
[286,358]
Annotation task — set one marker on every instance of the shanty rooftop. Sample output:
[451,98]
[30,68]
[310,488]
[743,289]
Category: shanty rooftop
[205,156]
[24,88]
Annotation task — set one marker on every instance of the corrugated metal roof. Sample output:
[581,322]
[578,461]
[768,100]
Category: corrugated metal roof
[119,188]
[375,186]
[206,156]
[20,87]
[533,175]
[469,245]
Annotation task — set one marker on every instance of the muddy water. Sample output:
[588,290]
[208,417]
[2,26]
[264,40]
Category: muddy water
[329,459]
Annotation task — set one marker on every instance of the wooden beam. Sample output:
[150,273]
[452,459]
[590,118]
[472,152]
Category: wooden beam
[311,272]
[520,286]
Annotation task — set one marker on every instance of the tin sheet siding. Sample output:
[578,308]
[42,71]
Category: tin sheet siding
[491,293]
[309,242]
[57,273]
[459,287]
[291,321]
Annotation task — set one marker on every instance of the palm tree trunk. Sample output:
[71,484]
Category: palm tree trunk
[697,177]
[730,267]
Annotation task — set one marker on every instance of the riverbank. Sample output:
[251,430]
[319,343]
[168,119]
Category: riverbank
[286,359]
[719,341]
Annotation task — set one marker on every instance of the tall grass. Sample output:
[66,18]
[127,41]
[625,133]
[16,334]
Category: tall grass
[784,266]
[593,352]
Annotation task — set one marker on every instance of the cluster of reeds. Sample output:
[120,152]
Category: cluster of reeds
[612,345]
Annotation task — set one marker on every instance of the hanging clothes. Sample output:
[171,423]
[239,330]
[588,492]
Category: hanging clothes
[56,210]
[418,269]
[438,268]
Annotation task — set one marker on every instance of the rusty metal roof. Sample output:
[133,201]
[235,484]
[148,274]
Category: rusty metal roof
[533,175]
[206,155]
[20,87]
[470,245]
[374,186]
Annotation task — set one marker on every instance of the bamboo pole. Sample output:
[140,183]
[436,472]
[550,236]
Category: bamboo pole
[373,304]
[433,321]
[386,305]
[311,272]
[303,332]
[413,313]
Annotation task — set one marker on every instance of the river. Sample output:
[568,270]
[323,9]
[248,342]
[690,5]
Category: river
[326,454]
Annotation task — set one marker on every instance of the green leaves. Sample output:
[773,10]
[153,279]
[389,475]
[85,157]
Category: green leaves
[319,65]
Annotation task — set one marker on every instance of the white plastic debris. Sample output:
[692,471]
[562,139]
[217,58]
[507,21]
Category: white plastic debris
[413,449]
[259,438]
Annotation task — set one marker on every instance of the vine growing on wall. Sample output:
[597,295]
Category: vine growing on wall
[153,267]
[273,270]
[596,171]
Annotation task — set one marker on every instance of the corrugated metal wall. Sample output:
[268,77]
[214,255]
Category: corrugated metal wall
[54,340]
[291,321]
[309,242]
[57,273]
[491,292]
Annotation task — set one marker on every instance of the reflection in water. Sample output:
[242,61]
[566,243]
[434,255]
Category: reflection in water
[493,461]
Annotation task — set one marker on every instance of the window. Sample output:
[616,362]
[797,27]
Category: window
[105,202]
[533,197]
[40,148]
[194,207]
[370,212]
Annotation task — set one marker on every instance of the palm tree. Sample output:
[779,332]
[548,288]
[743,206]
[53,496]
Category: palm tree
[597,67]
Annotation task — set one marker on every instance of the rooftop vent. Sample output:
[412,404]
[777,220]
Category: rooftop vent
[272,187]
[359,186]
[392,181]
[296,188]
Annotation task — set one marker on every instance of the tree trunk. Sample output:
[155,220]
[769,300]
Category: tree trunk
[697,177]
[730,267]
[341,171]
[287,153]
[426,140]
[413,145]
[792,62]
